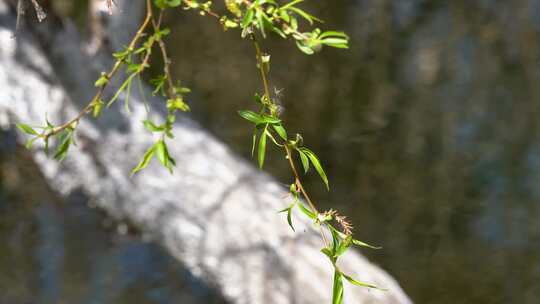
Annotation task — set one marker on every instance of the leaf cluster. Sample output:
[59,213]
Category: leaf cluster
[265,16]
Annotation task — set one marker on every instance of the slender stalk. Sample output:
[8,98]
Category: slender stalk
[297,181]
[261,66]
[300,187]
[166,60]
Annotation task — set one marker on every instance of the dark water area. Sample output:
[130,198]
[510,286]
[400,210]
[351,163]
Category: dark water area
[55,250]
[428,127]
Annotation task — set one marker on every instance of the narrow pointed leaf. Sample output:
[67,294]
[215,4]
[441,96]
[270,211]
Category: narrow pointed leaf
[306,211]
[280,131]
[162,153]
[305,161]
[289,218]
[334,34]
[27,129]
[289,214]
[254,142]
[262,149]
[251,116]
[328,252]
[248,17]
[344,245]
[317,164]
[363,244]
[152,127]
[63,148]
[145,161]
[30,142]
[358,283]
[292,3]
[269,119]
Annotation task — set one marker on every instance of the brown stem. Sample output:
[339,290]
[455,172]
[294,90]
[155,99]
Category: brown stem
[166,59]
[300,187]
[261,65]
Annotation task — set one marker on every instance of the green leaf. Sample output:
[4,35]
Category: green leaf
[269,134]
[358,283]
[306,211]
[269,119]
[163,4]
[27,129]
[182,90]
[229,24]
[330,41]
[289,215]
[317,164]
[363,244]
[122,55]
[121,89]
[162,153]
[344,245]
[292,3]
[335,241]
[262,149]
[145,161]
[161,33]
[261,23]
[233,7]
[102,80]
[284,15]
[354,241]
[257,98]
[150,126]
[248,18]
[30,142]
[304,15]
[46,147]
[304,159]
[177,104]
[251,116]
[158,83]
[328,252]
[97,107]
[280,131]
[258,119]
[65,143]
[334,34]
[337,291]
[304,48]
[254,142]
[126,99]
[289,218]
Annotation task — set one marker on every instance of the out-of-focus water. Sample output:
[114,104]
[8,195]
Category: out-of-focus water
[57,250]
[428,127]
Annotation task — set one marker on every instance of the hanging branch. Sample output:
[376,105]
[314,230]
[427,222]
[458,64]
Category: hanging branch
[255,20]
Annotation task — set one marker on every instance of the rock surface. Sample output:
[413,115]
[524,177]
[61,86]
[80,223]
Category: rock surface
[216,214]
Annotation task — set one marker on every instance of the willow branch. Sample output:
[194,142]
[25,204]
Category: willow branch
[261,65]
[302,190]
[166,60]
[118,64]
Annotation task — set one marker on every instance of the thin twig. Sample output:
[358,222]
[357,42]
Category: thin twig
[261,65]
[166,60]
[300,187]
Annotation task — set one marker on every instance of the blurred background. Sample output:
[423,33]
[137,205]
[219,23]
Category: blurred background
[428,127]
